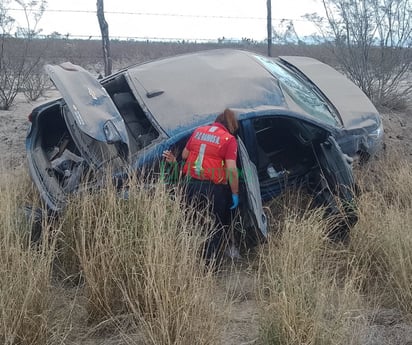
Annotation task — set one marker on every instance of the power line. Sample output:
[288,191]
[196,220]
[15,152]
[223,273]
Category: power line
[157,14]
[151,39]
[164,14]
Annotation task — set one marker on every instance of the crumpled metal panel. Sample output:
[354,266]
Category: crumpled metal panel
[197,87]
[354,107]
[89,103]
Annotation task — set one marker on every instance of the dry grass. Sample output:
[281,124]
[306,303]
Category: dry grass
[136,266]
[306,297]
[382,241]
[140,260]
[24,271]
[315,292]
[135,269]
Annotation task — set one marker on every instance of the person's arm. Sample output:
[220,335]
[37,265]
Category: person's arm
[231,170]
[230,157]
[233,181]
[232,174]
[185,153]
[169,156]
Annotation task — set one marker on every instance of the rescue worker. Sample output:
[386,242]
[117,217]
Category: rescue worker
[211,173]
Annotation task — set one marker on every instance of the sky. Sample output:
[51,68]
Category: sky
[172,19]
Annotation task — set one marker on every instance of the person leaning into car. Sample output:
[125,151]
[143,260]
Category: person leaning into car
[210,169]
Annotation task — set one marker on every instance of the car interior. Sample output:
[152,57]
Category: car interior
[55,149]
[140,131]
[283,148]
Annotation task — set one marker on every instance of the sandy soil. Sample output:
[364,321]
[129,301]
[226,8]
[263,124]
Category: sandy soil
[388,326]
[13,129]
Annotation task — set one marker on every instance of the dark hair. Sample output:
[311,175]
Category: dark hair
[228,119]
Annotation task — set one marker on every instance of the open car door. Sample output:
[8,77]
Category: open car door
[250,196]
[337,191]
[92,119]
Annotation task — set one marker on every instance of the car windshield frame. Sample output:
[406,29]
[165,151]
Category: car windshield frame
[301,91]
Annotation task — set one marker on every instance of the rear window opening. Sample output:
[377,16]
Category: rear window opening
[140,130]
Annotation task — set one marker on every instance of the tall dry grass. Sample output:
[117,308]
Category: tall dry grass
[304,293]
[382,241]
[140,262]
[136,262]
[25,271]
[315,292]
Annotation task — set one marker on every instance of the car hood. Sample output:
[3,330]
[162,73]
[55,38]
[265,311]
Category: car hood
[354,107]
[91,108]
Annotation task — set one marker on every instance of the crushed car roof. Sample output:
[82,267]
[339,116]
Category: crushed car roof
[188,90]
[193,88]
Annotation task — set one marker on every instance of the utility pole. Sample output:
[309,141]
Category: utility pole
[269,25]
[104,29]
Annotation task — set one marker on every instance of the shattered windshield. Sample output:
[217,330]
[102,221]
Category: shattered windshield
[302,92]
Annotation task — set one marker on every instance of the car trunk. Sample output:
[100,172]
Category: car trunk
[61,156]
[86,137]
[55,162]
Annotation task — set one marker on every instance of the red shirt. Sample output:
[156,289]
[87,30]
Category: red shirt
[209,147]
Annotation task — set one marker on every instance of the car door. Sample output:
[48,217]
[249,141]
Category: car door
[92,119]
[337,183]
[250,196]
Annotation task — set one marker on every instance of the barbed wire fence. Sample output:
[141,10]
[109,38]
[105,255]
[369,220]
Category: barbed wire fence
[84,48]
[277,22]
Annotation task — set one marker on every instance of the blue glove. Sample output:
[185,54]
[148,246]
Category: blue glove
[235,199]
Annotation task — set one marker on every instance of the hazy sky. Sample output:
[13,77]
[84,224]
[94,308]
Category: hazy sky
[188,19]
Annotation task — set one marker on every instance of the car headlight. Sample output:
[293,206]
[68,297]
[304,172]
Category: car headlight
[377,133]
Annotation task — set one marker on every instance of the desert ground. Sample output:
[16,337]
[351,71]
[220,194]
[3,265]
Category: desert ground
[389,326]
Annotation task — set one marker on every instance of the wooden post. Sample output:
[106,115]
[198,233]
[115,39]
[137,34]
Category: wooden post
[104,29]
[269,26]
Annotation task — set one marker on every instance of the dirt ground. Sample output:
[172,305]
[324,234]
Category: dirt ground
[14,124]
[387,327]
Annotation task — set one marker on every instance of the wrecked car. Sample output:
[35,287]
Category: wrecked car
[301,122]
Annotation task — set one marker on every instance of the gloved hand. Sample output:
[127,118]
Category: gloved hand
[235,199]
